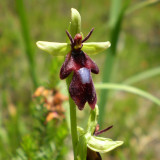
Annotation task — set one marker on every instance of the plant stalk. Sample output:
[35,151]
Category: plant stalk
[73,119]
[73,122]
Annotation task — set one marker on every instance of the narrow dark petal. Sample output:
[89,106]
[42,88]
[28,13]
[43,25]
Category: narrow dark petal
[67,67]
[92,65]
[82,89]
[104,130]
[89,34]
[70,37]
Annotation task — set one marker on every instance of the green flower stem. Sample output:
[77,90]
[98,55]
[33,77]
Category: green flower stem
[73,120]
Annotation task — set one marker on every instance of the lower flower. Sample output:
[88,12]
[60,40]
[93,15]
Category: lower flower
[92,155]
[90,145]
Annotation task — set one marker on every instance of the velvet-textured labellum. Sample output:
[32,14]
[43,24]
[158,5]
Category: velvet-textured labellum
[81,88]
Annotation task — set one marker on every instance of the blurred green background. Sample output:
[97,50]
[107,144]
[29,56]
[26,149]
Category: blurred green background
[23,67]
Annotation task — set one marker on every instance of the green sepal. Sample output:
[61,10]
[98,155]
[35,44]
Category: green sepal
[95,47]
[54,48]
[75,26]
[61,49]
[102,145]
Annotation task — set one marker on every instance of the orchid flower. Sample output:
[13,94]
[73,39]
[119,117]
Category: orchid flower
[81,88]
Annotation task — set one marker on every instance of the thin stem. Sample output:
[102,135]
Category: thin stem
[73,120]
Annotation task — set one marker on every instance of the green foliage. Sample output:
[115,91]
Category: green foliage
[46,142]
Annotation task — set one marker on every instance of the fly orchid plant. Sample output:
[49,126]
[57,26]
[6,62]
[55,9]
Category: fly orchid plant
[77,69]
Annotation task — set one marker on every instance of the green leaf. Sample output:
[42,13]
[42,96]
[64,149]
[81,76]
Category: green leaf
[102,145]
[95,47]
[115,9]
[54,48]
[128,89]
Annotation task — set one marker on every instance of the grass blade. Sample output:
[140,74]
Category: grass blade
[141,5]
[110,57]
[142,76]
[27,40]
[128,89]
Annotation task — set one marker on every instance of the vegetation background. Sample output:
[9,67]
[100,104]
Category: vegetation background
[23,67]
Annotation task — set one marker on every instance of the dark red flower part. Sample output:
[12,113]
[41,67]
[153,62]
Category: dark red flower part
[81,88]
[97,132]
[92,155]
